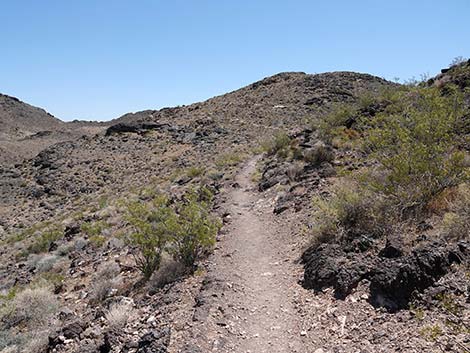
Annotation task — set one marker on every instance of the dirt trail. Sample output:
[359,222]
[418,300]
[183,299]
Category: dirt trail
[247,299]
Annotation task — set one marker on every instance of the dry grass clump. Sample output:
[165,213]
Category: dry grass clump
[104,281]
[456,223]
[349,213]
[32,307]
[168,272]
[119,314]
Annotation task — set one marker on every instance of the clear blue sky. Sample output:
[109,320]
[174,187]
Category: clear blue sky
[98,59]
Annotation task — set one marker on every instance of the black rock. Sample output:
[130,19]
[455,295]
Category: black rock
[393,247]
[154,342]
[71,230]
[73,330]
[394,281]
[330,266]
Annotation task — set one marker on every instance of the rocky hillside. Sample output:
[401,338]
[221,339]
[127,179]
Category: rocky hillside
[79,214]
[26,130]
[128,153]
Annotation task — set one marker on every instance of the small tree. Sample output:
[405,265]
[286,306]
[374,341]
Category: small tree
[152,225]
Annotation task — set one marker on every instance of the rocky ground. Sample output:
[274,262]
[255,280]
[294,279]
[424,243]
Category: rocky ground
[61,221]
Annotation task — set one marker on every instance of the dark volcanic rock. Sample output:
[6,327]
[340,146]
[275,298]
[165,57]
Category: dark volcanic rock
[133,127]
[329,266]
[154,342]
[393,281]
[393,247]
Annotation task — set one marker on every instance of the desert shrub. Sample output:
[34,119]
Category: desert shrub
[105,279]
[195,229]
[30,342]
[44,241]
[341,116]
[80,243]
[94,228]
[416,147]
[279,144]
[152,227]
[46,262]
[185,229]
[32,307]
[318,154]
[456,224]
[457,61]
[64,249]
[294,171]
[119,314]
[349,213]
[229,159]
[194,172]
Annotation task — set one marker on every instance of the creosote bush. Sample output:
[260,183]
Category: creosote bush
[196,229]
[413,142]
[184,229]
[418,147]
[152,226]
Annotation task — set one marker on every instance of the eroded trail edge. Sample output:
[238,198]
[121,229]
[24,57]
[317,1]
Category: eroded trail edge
[247,299]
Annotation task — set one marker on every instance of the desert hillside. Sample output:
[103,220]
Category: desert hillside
[302,213]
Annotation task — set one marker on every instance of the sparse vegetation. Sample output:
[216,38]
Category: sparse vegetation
[31,306]
[185,229]
[44,241]
[196,229]
[194,172]
[119,314]
[351,212]
[278,144]
[229,159]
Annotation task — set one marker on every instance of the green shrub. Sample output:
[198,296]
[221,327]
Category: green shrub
[94,228]
[278,145]
[186,229]
[153,226]
[44,241]
[349,213]
[417,147]
[194,172]
[333,123]
[195,230]
[229,159]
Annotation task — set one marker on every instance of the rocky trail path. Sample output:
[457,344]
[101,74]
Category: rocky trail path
[247,300]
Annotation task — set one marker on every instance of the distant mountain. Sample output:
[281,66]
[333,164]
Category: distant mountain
[26,130]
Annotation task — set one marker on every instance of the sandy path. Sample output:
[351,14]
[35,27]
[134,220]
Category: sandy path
[247,300]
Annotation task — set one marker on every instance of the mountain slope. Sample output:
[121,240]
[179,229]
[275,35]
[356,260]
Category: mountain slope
[179,138]
[26,130]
